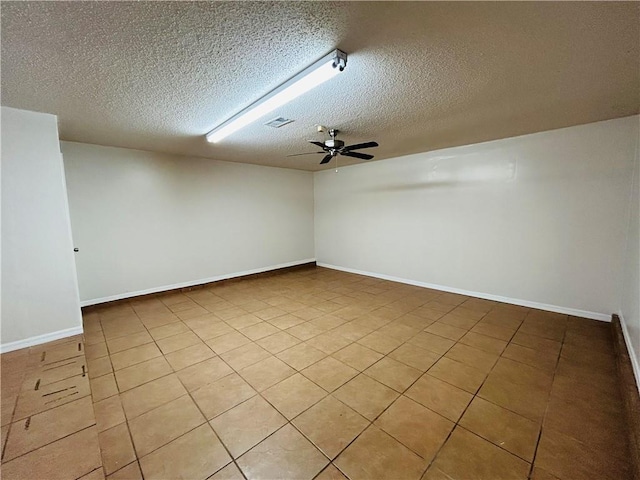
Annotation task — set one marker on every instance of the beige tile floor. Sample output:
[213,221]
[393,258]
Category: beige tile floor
[314,373]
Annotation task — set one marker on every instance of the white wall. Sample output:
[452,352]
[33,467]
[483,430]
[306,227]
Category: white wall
[39,287]
[147,222]
[538,219]
[630,310]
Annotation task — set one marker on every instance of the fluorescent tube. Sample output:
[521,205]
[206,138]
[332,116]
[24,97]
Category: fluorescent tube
[321,71]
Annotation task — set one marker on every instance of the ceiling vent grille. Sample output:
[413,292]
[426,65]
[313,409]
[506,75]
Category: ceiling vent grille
[278,122]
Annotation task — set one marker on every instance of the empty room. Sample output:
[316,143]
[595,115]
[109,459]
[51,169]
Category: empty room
[320,240]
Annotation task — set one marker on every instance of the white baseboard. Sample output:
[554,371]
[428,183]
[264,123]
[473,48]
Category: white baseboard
[40,339]
[487,296]
[192,283]
[633,355]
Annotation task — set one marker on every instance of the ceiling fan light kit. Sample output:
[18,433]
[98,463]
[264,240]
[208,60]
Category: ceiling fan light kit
[316,74]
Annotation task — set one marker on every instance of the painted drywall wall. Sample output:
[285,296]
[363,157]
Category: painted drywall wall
[539,219]
[630,310]
[148,222]
[39,286]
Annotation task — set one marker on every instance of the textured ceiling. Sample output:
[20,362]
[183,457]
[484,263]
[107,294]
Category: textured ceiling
[420,76]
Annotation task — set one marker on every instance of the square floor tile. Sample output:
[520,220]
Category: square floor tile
[168,330]
[456,319]
[301,356]
[458,374]
[439,396]
[466,455]
[540,359]
[247,424]
[188,356]
[495,331]
[116,448]
[286,321]
[278,342]
[99,366]
[266,373]
[415,357]
[97,350]
[244,356]
[270,313]
[352,331]
[527,401]
[330,425]
[329,373]
[227,342]
[120,344]
[521,374]
[366,396]
[308,313]
[217,397]
[445,330]
[259,330]
[483,342]
[134,356]
[108,413]
[357,356]
[473,357]
[380,342]
[399,330]
[566,457]
[375,454]
[197,454]
[243,321]
[177,342]
[202,373]
[328,342]
[163,424]
[502,427]
[131,377]
[416,427]
[393,374]
[285,454]
[328,322]
[146,397]
[213,330]
[294,395]
[305,331]
[431,342]
[104,387]
[536,343]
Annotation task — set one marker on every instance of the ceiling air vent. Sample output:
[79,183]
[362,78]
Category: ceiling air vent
[278,122]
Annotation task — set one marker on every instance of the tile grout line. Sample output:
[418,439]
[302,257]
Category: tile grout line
[352,342]
[304,341]
[555,370]
[433,459]
[457,422]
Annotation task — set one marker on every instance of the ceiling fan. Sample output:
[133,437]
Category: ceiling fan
[333,147]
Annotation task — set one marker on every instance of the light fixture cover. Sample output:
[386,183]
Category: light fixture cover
[312,76]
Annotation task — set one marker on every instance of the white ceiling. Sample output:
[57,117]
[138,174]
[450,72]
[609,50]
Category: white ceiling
[420,76]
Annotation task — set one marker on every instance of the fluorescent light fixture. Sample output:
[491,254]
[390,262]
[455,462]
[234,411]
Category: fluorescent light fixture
[312,76]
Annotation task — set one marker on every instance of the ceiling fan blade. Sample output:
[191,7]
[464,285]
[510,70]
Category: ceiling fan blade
[298,154]
[321,145]
[326,159]
[362,156]
[359,146]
